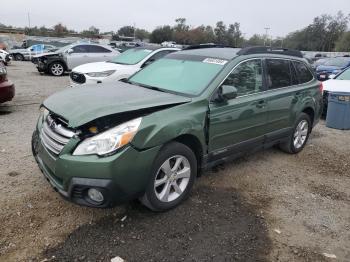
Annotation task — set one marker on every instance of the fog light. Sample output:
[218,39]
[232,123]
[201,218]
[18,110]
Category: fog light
[95,195]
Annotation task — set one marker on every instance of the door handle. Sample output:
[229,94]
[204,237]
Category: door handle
[260,104]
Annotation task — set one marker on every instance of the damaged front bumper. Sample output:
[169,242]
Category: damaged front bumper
[120,177]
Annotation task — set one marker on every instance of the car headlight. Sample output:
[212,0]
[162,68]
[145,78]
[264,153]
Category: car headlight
[110,140]
[101,74]
[3,71]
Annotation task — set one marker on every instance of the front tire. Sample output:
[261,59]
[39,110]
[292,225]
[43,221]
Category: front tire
[301,132]
[56,69]
[173,174]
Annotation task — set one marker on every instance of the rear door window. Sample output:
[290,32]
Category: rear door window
[278,73]
[303,73]
[98,49]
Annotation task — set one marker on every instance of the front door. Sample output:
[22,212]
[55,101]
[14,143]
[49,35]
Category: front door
[240,123]
[79,56]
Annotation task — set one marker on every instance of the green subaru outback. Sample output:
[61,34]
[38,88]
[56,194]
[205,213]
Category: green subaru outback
[150,136]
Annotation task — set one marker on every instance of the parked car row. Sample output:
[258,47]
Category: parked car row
[327,68]
[30,52]
[71,56]
[119,67]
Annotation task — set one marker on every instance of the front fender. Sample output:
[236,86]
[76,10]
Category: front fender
[166,125]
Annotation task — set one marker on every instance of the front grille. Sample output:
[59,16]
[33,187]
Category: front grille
[78,78]
[54,136]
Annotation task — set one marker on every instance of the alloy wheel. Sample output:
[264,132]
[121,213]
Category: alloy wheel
[172,178]
[57,69]
[300,134]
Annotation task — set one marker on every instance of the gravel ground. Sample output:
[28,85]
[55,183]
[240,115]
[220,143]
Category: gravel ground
[268,206]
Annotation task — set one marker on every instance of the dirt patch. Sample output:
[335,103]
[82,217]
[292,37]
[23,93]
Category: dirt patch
[214,225]
[329,191]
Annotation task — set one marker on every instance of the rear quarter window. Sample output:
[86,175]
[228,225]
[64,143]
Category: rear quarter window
[278,73]
[303,73]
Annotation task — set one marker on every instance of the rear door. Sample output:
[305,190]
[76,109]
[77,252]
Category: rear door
[99,54]
[282,94]
[239,124]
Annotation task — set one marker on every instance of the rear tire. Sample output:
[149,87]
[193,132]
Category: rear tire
[173,174]
[301,132]
[19,57]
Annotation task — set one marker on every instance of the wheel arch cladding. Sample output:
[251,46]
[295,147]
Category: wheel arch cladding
[195,145]
[310,112]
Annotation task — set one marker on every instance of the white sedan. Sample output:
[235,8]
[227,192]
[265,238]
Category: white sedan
[338,83]
[120,67]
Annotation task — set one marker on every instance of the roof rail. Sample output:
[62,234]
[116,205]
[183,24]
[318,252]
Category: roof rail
[209,45]
[269,50]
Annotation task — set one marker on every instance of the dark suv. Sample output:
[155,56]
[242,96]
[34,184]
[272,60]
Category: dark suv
[150,136]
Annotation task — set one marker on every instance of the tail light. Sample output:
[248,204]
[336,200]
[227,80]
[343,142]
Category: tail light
[321,87]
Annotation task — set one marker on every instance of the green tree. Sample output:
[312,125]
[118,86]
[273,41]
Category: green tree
[343,43]
[161,34]
[126,31]
[142,34]
[60,29]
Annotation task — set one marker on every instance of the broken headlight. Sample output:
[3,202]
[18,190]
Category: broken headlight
[109,141]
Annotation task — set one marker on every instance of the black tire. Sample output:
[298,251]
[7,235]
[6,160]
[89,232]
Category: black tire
[35,143]
[170,150]
[289,146]
[55,65]
[18,57]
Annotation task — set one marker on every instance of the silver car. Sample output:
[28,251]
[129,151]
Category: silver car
[28,53]
[68,57]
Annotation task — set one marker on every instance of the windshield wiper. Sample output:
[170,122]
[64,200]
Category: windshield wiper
[147,86]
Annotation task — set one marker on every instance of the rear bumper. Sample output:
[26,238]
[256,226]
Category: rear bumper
[7,91]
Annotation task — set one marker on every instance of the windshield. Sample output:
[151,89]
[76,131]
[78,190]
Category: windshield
[179,76]
[345,75]
[339,62]
[131,56]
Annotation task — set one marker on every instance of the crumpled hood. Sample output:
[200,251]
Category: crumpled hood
[97,67]
[45,54]
[80,105]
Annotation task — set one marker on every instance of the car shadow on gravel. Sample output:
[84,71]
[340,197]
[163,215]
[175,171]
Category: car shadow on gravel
[213,225]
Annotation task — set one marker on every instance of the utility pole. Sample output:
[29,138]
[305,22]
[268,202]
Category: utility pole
[28,15]
[134,32]
[266,34]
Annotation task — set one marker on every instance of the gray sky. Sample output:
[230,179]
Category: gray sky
[253,15]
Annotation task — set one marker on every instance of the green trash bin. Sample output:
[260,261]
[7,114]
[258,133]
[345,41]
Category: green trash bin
[338,112]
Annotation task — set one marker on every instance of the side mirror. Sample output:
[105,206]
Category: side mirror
[332,76]
[69,51]
[225,93]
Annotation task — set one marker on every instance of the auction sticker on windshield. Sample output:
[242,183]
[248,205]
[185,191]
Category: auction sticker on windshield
[215,61]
